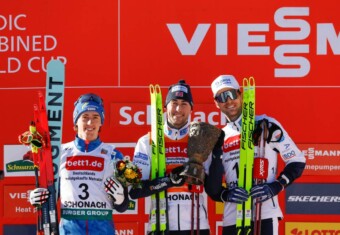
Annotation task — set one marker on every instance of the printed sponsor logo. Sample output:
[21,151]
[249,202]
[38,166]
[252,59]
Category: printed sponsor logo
[322,159]
[84,204]
[313,199]
[176,149]
[127,228]
[158,186]
[18,161]
[90,163]
[20,165]
[284,17]
[141,156]
[232,143]
[308,228]
[289,155]
[17,201]
[140,114]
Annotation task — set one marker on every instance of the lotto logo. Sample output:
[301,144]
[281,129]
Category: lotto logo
[85,163]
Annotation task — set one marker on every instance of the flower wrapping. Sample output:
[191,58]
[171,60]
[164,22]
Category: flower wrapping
[128,173]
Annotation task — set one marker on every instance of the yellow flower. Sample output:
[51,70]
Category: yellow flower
[130,174]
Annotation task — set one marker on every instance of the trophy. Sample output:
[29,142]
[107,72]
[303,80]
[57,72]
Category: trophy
[202,139]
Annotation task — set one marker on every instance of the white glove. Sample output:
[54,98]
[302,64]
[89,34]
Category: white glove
[115,189]
[39,196]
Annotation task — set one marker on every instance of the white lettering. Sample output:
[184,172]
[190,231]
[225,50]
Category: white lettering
[251,40]
[302,25]
[281,58]
[186,47]
[326,33]
[13,65]
[11,22]
[245,37]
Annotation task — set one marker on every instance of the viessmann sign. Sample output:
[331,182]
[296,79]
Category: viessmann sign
[288,46]
[322,159]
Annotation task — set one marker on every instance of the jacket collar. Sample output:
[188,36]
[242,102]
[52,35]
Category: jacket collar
[83,146]
[176,134]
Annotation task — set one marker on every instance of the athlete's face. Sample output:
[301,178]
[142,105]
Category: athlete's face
[231,108]
[88,125]
[178,112]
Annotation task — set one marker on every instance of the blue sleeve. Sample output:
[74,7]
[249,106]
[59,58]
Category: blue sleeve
[116,154]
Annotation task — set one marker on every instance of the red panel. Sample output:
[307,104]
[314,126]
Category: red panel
[117,48]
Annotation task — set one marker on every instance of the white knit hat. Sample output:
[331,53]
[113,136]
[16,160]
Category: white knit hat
[224,81]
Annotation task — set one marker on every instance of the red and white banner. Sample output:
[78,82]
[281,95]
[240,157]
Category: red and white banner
[117,48]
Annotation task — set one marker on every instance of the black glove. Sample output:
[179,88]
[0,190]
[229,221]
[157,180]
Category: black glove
[265,191]
[176,176]
[217,150]
[236,195]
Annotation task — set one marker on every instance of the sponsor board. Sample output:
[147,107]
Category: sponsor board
[134,115]
[132,209]
[22,229]
[321,199]
[17,161]
[322,159]
[17,202]
[130,228]
[315,228]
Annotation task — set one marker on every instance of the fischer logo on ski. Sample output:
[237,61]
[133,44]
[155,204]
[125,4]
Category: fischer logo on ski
[158,165]
[244,210]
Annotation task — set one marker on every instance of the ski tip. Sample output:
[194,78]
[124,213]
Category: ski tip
[54,62]
[155,88]
[158,89]
[251,81]
[248,82]
[245,83]
[152,88]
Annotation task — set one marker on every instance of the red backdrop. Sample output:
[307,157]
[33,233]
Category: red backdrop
[117,48]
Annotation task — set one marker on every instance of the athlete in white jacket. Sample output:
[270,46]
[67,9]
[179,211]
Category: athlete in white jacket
[179,105]
[228,98]
[88,189]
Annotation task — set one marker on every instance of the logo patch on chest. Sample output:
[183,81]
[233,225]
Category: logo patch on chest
[89,163]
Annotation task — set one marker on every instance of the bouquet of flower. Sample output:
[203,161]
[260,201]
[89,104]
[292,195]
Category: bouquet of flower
[128,173]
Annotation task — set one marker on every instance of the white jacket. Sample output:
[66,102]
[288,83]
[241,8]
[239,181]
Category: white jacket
[179,198]
[285,148]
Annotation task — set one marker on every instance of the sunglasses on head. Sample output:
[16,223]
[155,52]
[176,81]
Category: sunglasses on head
[223,96]
[90,97]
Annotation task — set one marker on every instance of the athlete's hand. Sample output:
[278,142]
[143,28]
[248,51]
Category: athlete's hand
[115,189]
[263,192]
[176,176]
[235,195]
[38,196]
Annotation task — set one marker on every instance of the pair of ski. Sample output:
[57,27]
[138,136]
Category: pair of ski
[39,138]
[249,168]
[158,214]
